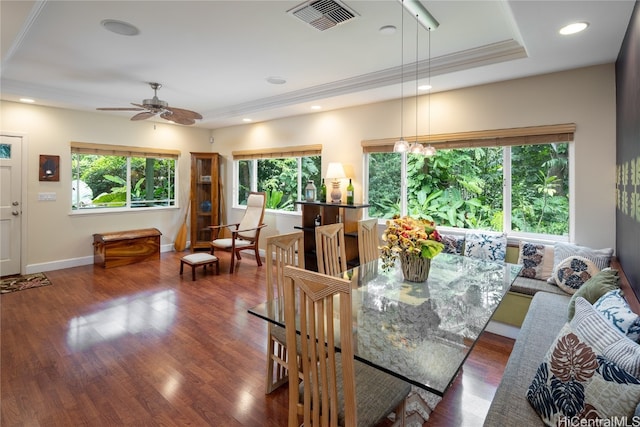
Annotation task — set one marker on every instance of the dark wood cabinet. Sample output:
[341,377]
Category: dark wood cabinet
[205,198]
[317,213]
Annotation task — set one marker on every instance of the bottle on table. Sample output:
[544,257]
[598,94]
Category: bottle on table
[350,193]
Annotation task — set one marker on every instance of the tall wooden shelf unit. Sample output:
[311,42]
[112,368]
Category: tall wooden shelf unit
[330,213]
[205,195]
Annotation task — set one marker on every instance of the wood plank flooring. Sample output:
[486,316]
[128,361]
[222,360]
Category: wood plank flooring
[140,345]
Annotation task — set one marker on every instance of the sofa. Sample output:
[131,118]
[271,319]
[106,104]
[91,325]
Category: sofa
[545,324]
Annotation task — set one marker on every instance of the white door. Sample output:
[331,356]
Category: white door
[10,204]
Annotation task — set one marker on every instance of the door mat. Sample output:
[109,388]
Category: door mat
[19,283]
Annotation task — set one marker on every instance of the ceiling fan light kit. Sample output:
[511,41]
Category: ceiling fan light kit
[154,106]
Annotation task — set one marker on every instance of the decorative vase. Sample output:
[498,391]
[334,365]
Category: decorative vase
[205,206]
[415,268]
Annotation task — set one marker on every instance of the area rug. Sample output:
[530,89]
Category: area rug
[19,283]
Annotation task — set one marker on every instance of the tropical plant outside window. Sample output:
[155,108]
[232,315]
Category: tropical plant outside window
[112,181]
[516,188]
[282,179]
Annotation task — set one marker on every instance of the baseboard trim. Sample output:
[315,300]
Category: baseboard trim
[73,262]
[503,329]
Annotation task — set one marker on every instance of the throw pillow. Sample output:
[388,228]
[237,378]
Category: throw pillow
[603,282]
[536,260]
[561,251]
[452,244]
[574,272]
[575,379]
[615,308]
[491,247]
[605,338]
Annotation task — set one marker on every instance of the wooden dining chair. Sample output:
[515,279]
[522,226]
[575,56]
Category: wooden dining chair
[336,390]
[368,240]
[281,250]
[245,235]
[330,250]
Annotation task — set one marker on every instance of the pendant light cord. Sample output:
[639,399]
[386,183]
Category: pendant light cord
[402,74]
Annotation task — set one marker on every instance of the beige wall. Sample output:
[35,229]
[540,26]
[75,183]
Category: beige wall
[585,97]
[54,237]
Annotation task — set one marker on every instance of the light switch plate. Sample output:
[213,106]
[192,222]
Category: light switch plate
[47,197]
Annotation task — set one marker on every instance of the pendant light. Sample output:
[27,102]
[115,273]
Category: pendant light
[401,145]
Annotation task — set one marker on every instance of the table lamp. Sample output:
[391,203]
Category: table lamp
[336,172]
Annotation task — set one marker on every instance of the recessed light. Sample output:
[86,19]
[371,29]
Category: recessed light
[247,120]
[316,107]
[387,30]
[276,80]
[27,100]
[424,87]
[573,28]
[120,27]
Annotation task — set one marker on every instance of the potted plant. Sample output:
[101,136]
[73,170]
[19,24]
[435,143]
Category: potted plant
[415,242]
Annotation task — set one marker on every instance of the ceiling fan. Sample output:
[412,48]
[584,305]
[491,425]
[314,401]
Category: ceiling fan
[154,106]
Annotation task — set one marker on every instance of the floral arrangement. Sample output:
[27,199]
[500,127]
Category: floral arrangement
[412,237]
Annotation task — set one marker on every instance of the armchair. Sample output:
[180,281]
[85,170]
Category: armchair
[245,234]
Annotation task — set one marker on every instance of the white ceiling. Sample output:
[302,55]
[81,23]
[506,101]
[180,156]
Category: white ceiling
[214,56]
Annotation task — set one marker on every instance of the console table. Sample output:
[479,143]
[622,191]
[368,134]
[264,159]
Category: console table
[318,213]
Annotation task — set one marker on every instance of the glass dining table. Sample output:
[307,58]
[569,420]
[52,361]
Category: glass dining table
[419,332]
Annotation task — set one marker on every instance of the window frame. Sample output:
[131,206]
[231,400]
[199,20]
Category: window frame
[128,152]
[296,152]
[506,138]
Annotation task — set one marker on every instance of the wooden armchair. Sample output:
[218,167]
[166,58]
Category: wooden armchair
[245,235]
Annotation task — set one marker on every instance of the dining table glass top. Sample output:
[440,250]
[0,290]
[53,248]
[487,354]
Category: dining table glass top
[419,332]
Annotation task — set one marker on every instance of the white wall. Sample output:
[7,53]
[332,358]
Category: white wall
[57,239]
[585,97]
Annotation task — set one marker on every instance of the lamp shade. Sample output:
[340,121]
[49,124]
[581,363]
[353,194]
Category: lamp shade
[335,171]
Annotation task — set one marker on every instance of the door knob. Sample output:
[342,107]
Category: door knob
[15,203]
[15,213]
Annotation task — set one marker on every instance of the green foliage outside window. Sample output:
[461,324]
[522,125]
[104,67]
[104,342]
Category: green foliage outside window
[464,188]
[152,181]
[278,178]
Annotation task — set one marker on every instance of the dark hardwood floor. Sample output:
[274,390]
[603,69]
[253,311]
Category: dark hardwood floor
[140,345]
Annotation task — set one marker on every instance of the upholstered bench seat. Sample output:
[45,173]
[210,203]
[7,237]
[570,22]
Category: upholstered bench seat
[199,259]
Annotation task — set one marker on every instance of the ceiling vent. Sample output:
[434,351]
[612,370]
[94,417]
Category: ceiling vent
[323,14]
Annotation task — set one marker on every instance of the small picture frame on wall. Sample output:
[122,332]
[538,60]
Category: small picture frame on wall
[49,168]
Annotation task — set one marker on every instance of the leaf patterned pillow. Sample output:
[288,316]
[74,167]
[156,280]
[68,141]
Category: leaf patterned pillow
[615,308]
[491,247]
[536,260]
[574,272]
[576,380]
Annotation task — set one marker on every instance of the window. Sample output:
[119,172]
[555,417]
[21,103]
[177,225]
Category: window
[110,177]
[281,173]
[512,184]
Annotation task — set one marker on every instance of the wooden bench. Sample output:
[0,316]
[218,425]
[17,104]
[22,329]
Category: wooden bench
[117,248]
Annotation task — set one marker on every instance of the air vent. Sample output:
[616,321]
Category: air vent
[323,14]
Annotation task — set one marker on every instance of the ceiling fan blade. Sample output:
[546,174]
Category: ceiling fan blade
[143,116]
[120,109]
[185,113]
[170,116]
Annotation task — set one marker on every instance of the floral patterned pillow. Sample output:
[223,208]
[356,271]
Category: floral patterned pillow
[577,380]
[491,247]
[574,272]
[615,308]
[536,260]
